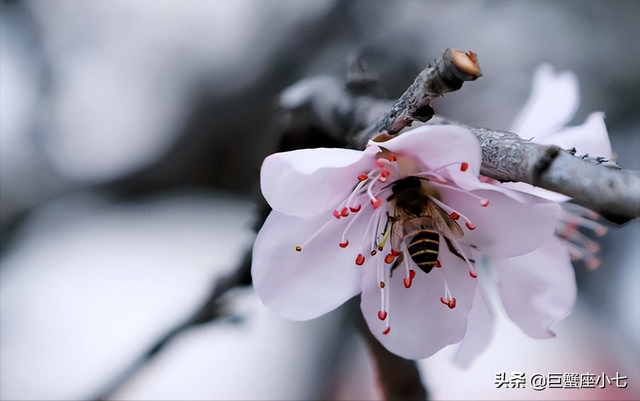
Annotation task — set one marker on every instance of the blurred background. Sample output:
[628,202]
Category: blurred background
[131,137]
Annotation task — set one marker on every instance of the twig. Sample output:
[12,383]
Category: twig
[450,72]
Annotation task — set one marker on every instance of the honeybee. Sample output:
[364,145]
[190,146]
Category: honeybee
[420,220]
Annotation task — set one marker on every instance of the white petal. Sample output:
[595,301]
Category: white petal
[537,191]
[420,324]
[538,289]
[436,146]
[304,285]
[479,330]
[553,101]
[506,227]
[590,137]
[307,182]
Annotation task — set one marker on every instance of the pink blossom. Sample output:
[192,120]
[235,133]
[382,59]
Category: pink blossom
[337,230]
[538,289]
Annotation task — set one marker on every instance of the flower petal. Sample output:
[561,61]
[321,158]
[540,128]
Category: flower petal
[501,226]
[538,289]
[307,284]
[307,182]
[420,324]
[436,146]
[553,101]
[590,137]
[537,191]
[479,330]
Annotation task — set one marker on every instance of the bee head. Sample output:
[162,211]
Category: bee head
[406,183]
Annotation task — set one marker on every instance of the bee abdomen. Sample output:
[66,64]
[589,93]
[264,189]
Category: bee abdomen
[424,249]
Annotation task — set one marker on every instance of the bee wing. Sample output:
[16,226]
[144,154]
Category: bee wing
[442,222]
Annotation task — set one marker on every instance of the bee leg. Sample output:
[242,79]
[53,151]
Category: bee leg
[454,251]
[396,264]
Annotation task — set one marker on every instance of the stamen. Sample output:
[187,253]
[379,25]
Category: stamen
[387,330]
[355,209]
[455,215]
[363,177]
[344,212]
[483,201]
[336,214]
[437,264]
[313,235]
[472,269]
[375,202]
[392,158]
[379,163]
[382,315]
[448,299]
[346,229]
[344,244]
[389,258]
[360,259]
[464,166]
[408,279]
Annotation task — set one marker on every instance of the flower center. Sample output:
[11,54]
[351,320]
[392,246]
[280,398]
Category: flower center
[385,237]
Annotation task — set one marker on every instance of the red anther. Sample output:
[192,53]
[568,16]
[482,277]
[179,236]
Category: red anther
[394,252]
[407,282]
[360,259]
[392,158]
[412,274]
[298,248]
[336,214]
[387,330]
[382,315]
[437,264]
[384,172]
[379,163]
[355,209]
[464,166]
[473,274]
[484,202]
[451,303]
[382,284]
[344,244]
[376,203]
[389,258]
[470,226]
[363,177]
[344,212]
[454,215]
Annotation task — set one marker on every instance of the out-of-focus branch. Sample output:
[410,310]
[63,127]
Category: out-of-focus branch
[399,378]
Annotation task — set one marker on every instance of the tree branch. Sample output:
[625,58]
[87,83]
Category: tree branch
[594,183]
[612,192]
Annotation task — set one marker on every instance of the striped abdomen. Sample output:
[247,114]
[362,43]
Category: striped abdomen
[424,249]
